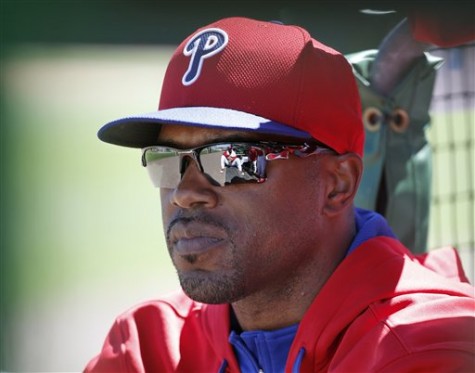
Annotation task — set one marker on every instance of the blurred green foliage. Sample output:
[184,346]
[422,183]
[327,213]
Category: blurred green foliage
[81,227]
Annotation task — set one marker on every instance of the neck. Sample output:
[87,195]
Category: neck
[261,313]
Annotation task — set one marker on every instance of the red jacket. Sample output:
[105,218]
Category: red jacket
[381,311]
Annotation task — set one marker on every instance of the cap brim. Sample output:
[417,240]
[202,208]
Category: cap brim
[142,130]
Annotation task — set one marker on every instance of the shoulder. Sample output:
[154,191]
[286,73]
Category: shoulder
[406,314]
[420,300]
[428,332]
[166,317]
[151,336]
[174,305]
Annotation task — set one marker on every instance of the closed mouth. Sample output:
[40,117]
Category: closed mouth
[194,237]
[195,245]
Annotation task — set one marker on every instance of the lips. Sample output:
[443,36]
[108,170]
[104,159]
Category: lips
[193,238]
[197,245]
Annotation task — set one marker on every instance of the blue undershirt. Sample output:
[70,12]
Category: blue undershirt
[267,351]
[263,350]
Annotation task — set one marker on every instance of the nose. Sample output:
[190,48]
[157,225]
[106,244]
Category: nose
[194,190]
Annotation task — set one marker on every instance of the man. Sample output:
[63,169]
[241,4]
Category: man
[282,274]
[229,158]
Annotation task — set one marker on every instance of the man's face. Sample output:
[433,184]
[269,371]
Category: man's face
[229,243]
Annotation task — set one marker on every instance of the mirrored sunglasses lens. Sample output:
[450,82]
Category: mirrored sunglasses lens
[163,166]
[223,164]
[234,163]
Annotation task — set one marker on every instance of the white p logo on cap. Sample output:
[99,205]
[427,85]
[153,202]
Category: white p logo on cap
[201,46]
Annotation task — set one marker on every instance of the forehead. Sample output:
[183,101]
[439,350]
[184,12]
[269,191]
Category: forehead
[186,136]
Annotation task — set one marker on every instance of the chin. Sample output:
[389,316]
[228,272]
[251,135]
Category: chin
[205,287]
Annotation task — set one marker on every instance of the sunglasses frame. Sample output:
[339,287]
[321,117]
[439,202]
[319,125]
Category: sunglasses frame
[272,150]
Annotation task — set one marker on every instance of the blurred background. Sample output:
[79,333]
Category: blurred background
[81,236]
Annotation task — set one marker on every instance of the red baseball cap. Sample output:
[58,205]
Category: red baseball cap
[243,74]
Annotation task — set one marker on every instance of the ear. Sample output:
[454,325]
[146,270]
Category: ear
[344,177]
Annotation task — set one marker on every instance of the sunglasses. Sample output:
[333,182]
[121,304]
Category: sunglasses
[224,163]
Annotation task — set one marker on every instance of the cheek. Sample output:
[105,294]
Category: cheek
[293,217]
[167,207]
[281,214]
[277,236]
[295,201]
[297,188]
